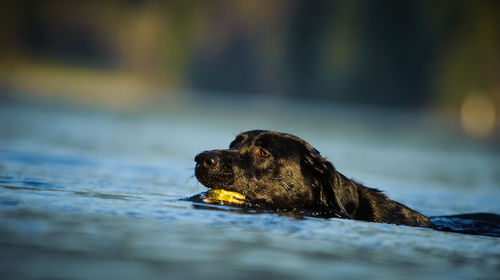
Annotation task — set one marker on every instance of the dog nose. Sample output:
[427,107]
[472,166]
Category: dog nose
[206,159]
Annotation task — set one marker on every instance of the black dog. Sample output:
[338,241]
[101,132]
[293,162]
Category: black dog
[282,172]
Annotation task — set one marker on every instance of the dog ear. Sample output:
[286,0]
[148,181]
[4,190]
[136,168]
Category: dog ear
[332,187]
[327,180]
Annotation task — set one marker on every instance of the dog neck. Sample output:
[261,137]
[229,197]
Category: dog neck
[369,204]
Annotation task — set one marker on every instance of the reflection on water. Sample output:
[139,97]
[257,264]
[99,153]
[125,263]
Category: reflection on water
[86,194]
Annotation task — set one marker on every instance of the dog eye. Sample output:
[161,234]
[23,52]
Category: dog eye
[263,153]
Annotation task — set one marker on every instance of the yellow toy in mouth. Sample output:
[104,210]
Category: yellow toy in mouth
[222,196]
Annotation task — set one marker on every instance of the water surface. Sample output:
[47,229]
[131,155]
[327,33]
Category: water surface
[93,194]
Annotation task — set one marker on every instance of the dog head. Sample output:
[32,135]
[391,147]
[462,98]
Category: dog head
[273,170]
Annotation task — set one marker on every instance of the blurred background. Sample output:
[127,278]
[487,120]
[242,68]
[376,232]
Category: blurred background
[436,56]
[104,104]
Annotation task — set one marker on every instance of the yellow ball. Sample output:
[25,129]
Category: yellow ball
[221,196]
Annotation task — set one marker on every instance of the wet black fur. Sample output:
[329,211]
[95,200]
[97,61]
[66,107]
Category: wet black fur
[292,176]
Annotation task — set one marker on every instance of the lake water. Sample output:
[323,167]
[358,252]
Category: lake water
[87,193]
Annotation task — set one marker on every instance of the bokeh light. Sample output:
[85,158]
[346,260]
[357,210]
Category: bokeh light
[478,115]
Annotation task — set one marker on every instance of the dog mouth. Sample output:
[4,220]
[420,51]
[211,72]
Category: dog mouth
[212,173]
[221,196]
